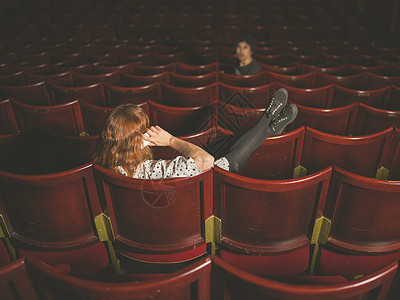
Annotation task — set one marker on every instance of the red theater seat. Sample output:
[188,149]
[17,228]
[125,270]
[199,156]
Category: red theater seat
[342,96]
[187,69]
[301,81]
[17,78]
[66,152]
[187,97]
[238,119]
[349,81]
[63,118]
[183,120]
[364,232]
[359,154]
[270,232]
[142,69]
[371,120]
[192,80]
[116,95]
[393,101]
[82,79]
[253,80]
[52,217]
[276,158]
[140,209]
[314,97]
[33,94]
[130,80]
[338,121]
[250,97]
[65,92]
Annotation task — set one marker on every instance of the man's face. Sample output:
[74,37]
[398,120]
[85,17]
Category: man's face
[243,51]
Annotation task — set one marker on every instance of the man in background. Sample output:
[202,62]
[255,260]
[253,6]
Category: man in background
[244,46]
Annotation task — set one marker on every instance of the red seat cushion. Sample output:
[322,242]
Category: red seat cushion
[309,280]
[334,263]
[83,261]
[167,258]
[284,264]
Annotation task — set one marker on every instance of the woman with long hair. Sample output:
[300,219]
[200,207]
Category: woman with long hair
[123,145]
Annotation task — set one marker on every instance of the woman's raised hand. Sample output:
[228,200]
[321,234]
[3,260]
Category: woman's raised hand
[158,136]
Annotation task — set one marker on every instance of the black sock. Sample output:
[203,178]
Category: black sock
[244,146]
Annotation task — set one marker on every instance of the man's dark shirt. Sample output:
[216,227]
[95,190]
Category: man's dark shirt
[251,68]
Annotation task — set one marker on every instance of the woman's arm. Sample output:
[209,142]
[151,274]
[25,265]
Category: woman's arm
[160,137]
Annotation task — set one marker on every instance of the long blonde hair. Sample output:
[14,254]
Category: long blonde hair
[120,143]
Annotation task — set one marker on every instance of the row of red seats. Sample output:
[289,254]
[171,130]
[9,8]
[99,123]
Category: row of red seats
[32,278]
[236,112]
[299,151]
[50,49]
[85,32]
[328,209]
[112,88]
[301,75]
[371,57]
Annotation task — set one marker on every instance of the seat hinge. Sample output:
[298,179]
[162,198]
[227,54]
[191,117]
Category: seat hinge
[5,234]
[299,171]
[382,173]
[104,228]
[213,231]
[320,236]
[106,234]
